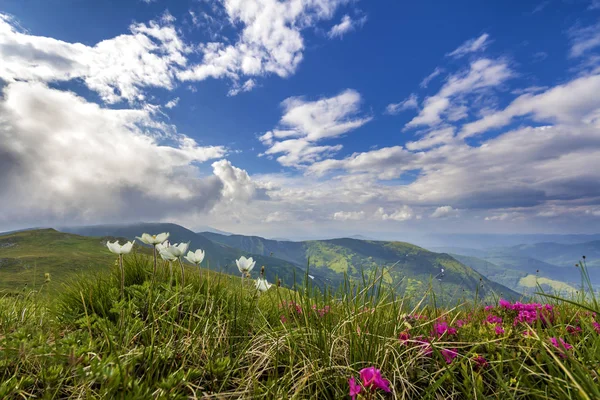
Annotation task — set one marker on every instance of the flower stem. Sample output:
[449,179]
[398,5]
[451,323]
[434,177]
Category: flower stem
[154,276]
[122,276]
[182,273]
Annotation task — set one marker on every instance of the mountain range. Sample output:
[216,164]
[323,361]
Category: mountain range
[408,268]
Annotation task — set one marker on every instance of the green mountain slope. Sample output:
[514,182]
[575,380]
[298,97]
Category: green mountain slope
[26,256]
[219,257]
[409,267]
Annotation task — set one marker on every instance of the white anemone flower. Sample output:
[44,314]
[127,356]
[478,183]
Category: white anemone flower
[167,255]
[163,246]
[154,239]
[178,249]
[118,249]
[244,264]
[262,285]
[195,257]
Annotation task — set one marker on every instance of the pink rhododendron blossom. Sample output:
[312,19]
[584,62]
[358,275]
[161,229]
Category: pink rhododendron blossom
[449,355]
[354,388]
[596,327]
[493,319]
[499,330]
[371,379]
[404,337]
[560,345]
[480,362]
[443,328]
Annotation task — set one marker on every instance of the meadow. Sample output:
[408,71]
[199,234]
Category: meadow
[216,336]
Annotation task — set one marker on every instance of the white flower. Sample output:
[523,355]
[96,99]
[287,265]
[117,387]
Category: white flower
[154,239]
[118,249]
[245,264]
[178,249]
[195,257]
[163,246]
[262,285]
[167,255]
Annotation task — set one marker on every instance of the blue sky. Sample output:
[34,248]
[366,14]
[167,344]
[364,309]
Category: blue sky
[302,117]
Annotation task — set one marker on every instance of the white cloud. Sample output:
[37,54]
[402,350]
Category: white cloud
[483,74]
[471,46]
[444,212]
[404,213]
[172,103]
[305,123]
[425,82]
[117,69]
[237,184]
[65,159]
[583,40]
[574,102]
[245,87]
[595,4]
[348,215]
[270,41]
[346,25]
[412,102]
[431,139]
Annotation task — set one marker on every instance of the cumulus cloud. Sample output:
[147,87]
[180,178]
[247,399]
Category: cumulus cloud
[404,213]
[348,215]
[471,46]
[270,41]
[482,74]
[412,102]
[65,159]
[444,212]
[304,123]
[575,102]
[346,25]
[117,69]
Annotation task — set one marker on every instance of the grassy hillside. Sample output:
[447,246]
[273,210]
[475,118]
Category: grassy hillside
[25,257]
[217,338]
[408,267]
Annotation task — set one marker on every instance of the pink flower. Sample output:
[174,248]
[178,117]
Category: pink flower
[499,330]
[488,308]
[596,327]
[371,379]
[440,328]
[449,355]
[283,319]
[573,330]
[480,362]
[493,319]
[561,345]
[403,337]
[505,304]
[354,388]
[460,323]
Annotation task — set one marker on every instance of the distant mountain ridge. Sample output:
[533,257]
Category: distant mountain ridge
[218,256]
[409,266]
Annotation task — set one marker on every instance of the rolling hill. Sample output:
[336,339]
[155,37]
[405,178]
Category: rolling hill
[26,256]
[408,266]
[219,257]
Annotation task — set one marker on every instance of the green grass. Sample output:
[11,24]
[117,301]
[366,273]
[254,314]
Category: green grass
[215,338]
